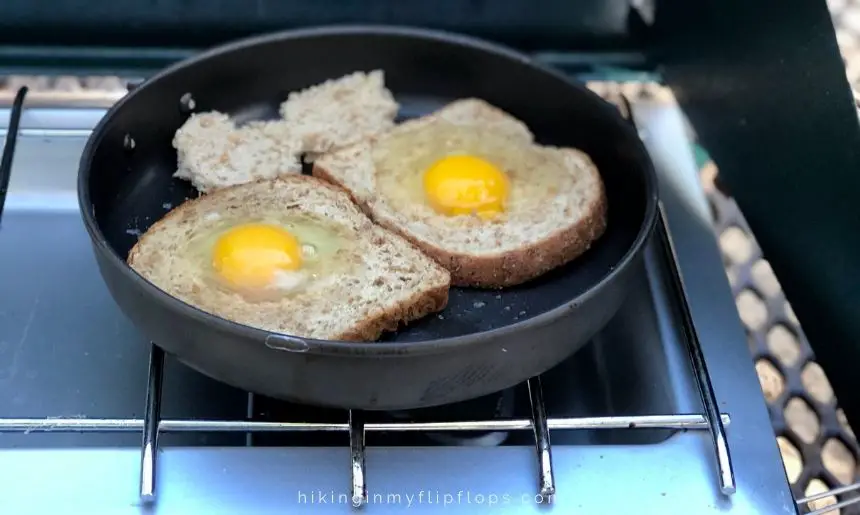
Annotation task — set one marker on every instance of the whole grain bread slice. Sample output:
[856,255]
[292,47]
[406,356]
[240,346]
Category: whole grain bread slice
[340,112]
[553,233]
[392,283]
[213,152]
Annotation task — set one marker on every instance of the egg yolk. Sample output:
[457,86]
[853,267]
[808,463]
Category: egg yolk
[463,185]
[250,255]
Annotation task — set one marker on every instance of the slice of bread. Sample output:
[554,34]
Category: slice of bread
[557,219]
[340,112]
[214,153]
[391,282]
[474,111]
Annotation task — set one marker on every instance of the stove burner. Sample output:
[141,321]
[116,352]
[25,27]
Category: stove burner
[495,406]
[235,416]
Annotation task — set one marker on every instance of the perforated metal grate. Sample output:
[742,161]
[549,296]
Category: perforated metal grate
[819,450]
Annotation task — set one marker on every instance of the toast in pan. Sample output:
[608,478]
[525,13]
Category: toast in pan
[213,152]
[340,112]
[290,255]
[469,187]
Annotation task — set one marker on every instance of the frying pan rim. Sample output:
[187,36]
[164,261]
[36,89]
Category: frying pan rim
[339,347]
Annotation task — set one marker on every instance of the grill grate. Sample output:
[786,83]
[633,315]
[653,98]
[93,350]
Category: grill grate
[152,424]
[539,423]
[819,450]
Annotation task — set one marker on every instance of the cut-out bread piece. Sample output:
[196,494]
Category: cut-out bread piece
[340,112]
[213,153]
[388,281]
[559,212]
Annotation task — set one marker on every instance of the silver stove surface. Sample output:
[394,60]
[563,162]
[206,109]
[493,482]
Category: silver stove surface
[66,351]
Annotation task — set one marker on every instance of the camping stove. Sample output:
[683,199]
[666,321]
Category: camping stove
[661,413]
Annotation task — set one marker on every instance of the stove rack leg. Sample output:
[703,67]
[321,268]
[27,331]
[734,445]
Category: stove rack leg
[694,347]
[356,448]
[151,421]
[542,446]
[700,369]
[6,158]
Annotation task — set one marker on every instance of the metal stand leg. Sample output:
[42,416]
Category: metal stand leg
[151,419]
[356,446]
[9,147]
[542,445]
[697,357]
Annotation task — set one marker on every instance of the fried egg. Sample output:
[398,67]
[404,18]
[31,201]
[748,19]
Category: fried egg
[268,257]
[441,171]
[464,184]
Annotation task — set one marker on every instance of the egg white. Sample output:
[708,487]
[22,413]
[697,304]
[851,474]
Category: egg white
[535,174]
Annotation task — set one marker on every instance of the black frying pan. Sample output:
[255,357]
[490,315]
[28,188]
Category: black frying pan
[484,341]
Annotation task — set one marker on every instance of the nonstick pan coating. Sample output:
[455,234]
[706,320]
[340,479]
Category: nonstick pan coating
[484,340]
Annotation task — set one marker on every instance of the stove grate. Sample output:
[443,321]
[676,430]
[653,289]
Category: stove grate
[152,424]
[9,146]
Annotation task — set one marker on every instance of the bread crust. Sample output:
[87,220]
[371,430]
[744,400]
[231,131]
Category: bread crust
[416,307]
[509,268]
[350,166]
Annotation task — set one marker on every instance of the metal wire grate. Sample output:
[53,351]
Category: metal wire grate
[819,450]
[152,424]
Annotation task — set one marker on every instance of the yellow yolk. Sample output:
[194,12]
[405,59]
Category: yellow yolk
[463,185]
[250,255]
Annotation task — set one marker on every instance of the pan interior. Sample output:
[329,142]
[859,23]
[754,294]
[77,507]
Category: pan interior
[132,189]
